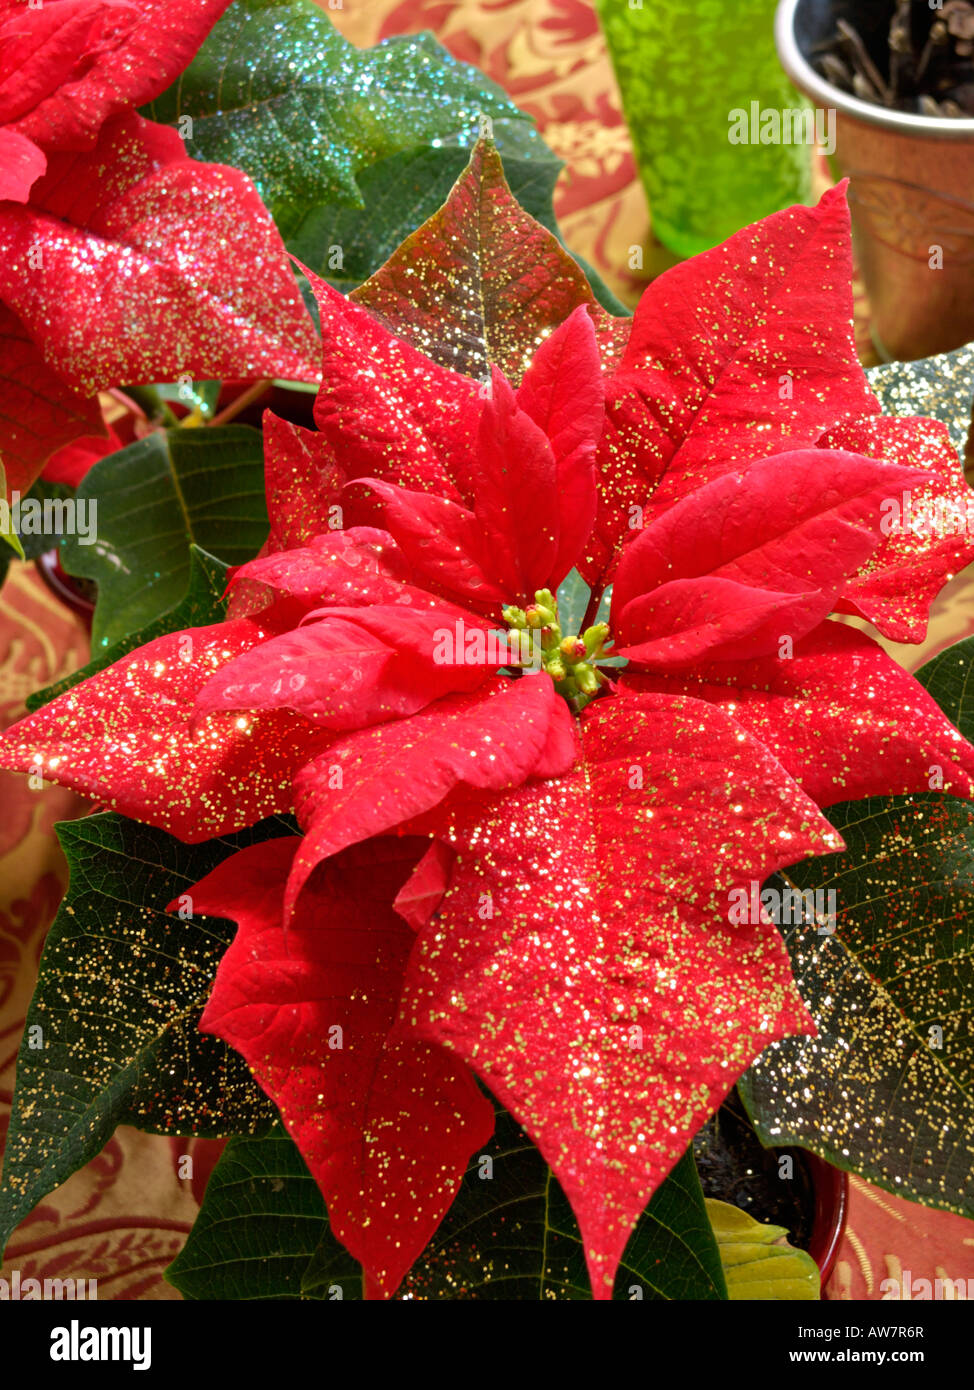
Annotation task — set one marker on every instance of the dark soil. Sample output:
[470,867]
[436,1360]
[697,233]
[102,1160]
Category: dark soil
[902,54]
[734,1168]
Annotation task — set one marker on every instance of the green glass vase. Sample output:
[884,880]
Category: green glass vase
[709,109]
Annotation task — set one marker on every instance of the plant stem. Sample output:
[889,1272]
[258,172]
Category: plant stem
[246,398]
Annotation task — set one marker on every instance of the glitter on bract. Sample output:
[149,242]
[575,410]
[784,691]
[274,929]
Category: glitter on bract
[135,263]
[844,719]
[126,738]
[385,1122]
[481,283]
[700,390]
[605,998]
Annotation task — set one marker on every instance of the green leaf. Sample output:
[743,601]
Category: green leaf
[155,498]
[276,91]
[759,1264]
[940,386]
[7,532]
[201,605]
[345,246]
[887,1088]
[111,1035]
[509,1235]
[261,1221]
[573,597]
[948,678]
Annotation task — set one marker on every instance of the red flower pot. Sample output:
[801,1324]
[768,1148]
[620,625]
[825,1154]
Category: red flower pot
[65,587]
[831,1210]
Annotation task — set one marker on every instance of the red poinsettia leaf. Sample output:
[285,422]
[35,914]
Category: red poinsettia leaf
[926,528]
[516,494]
[798,521]
[40,413]
[75,461]
[563,393]
[751,557]
[481,283]
[21,165]
[561,747]
[388,411]
[385,1124]
[355,667]
[844,719]
[693,620]
[597,981]
[422,893]
[443,541]
[135,263]
[507,546]
[741,352]
[125,738]
[360,565]
[370,781]
[67,66]
[303,481]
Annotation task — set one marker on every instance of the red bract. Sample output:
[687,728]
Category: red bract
[376,1114]
[123,261]
[66,66]
[566,933]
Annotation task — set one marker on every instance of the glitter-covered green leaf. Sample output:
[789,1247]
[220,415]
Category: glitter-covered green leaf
[111,1035]
[510,1234]
[481,282]
[276,91]
[940,387]
[887,1088]
[949,677]
[201,605]
[347,245]
[758,1262]
[154,499]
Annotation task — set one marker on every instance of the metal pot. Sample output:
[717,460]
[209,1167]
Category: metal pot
[911,194]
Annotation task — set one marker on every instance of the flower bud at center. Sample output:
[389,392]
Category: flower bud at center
[570,660]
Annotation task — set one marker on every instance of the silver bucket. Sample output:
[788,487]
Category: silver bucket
[911,193]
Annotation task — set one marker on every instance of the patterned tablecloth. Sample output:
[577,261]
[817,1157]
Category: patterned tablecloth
[123,1218]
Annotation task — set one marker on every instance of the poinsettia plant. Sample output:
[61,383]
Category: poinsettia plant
[555,651]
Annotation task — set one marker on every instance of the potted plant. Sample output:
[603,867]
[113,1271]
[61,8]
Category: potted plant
[897,73]
[503,795]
